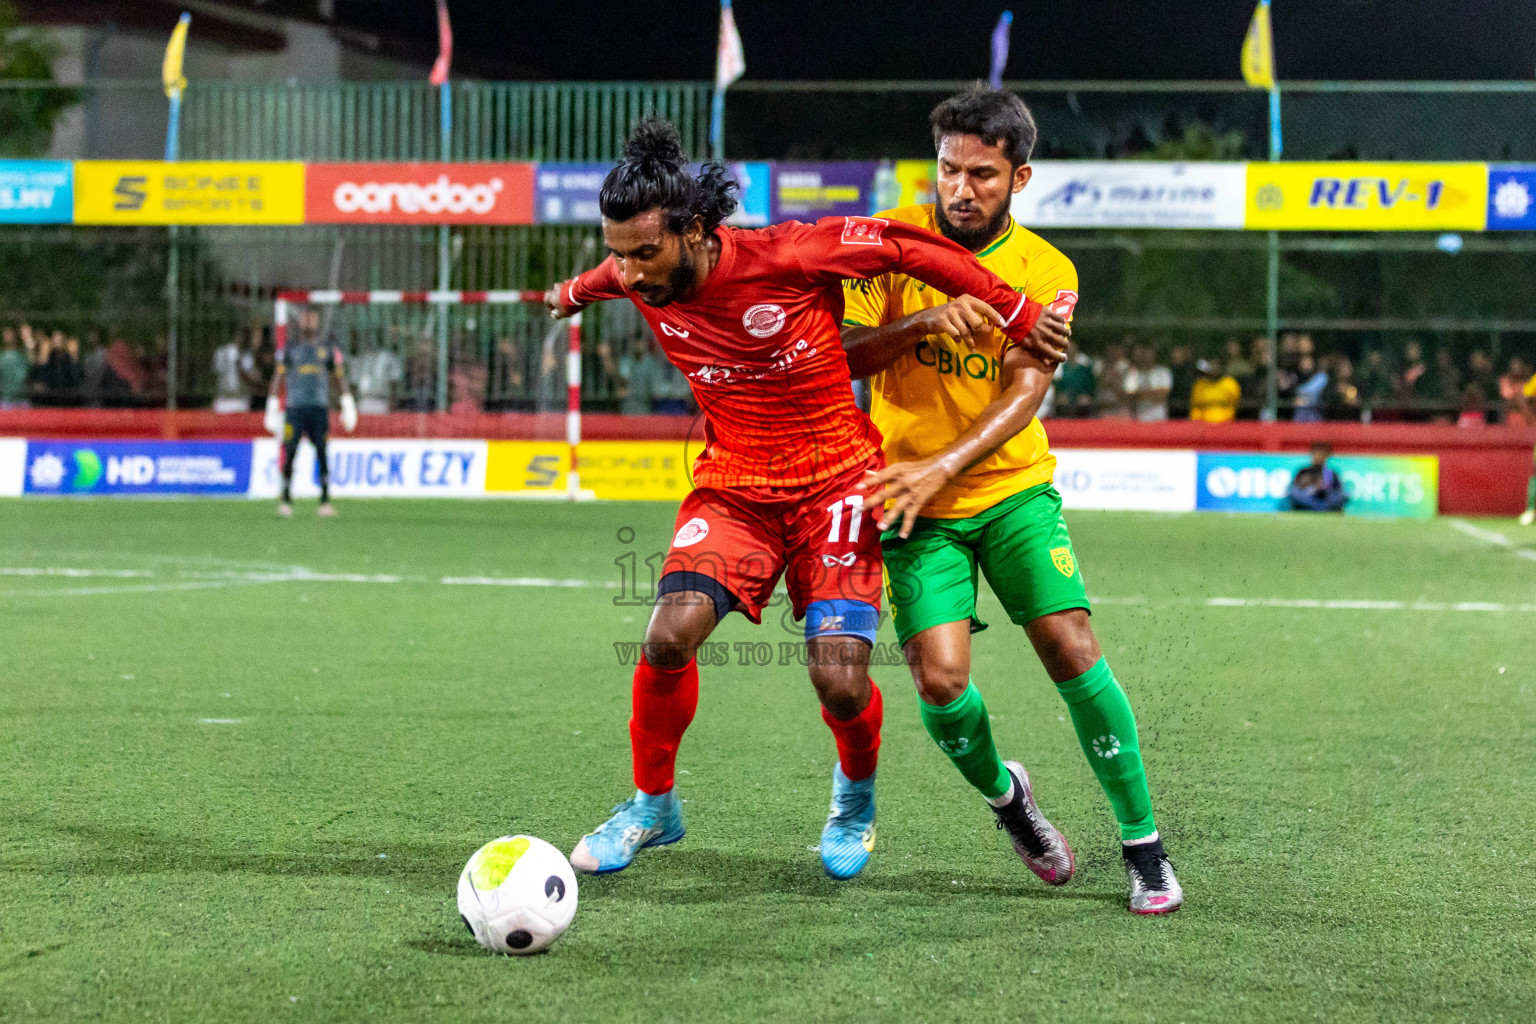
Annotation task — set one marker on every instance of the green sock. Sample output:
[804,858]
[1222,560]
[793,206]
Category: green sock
[963,731]
[1530,493]
[1106,727]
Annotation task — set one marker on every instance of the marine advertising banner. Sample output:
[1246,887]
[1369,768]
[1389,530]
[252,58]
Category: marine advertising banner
[189,192]
[1367,196]
[138,467]
[1383,486]
[479,193]
[1132,194]
[36,192]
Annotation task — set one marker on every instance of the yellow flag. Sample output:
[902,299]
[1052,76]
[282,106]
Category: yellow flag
[1259,50]
[170,71]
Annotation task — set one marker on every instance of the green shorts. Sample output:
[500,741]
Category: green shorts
[1022,546]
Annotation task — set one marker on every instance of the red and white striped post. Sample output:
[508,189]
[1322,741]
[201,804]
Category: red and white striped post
[573,405]
[326,296]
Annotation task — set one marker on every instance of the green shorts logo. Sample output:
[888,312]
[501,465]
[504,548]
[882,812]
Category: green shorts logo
[1106,746]
[955,747]
[1062,558]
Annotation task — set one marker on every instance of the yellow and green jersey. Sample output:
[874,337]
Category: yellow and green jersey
[933,392]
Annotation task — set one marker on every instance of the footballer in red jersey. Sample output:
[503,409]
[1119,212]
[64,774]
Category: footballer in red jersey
[751,317]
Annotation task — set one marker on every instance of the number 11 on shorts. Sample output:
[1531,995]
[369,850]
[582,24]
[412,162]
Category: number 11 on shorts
[855,502]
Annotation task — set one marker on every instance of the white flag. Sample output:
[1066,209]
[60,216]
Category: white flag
[730,62]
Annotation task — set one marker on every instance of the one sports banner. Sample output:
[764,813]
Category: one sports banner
[1383,486]
[1133,194]
[188,192]
[451,193]
[1367,196]
[36,192]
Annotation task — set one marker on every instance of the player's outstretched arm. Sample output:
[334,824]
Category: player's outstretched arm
[908,486]
[566,298]
[863,247]
[872,349]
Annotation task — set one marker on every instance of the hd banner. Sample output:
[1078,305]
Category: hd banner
[137,467]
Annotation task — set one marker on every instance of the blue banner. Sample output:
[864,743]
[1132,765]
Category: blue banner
[567,193]
[1385,486]
[138,467]
[1512,197]
[36,192]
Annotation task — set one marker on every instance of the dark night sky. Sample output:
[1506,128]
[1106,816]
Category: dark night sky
[1102,39]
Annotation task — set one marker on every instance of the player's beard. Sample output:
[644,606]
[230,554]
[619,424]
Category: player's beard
[678,281]
[972,240]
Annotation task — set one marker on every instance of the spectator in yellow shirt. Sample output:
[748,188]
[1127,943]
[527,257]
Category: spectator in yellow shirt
[1215,395]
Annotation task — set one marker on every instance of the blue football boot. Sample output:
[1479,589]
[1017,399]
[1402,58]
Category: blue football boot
[849,837]
[641,821]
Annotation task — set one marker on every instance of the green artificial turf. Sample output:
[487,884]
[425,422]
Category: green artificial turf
[230,793]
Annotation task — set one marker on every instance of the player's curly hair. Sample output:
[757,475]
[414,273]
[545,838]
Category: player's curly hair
[654,174]
[993,116]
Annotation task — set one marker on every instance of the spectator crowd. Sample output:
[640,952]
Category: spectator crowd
[1129,380]
[396,370]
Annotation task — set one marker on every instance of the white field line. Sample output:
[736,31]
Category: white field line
[203,580]
[1492,537]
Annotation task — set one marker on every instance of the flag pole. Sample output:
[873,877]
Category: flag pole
[1272,280]
[174,82]
[439,78]
[444,270]
[729,66]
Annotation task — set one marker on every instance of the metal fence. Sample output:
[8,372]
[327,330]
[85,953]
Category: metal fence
[1352,292]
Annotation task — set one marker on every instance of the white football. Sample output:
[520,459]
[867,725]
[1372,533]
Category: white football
[517,894]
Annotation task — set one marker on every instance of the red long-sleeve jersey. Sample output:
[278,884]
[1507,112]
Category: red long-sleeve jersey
[761,346]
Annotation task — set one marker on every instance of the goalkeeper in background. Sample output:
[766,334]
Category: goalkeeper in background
[969,486]
[307,368]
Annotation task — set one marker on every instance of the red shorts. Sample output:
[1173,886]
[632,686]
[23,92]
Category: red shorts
[817,536]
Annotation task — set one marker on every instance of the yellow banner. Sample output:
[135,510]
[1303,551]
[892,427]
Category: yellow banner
[611,470]
[1367,196]
[916,180]
[188,192]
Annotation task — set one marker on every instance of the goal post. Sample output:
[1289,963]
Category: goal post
[334,297]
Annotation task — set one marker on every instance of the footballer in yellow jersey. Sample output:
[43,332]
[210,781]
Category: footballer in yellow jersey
[968,491]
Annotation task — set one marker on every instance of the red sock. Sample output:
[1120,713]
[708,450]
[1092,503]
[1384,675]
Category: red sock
[664,703]
[858,738]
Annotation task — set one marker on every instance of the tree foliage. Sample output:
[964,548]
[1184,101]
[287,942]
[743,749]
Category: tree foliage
[27,116]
